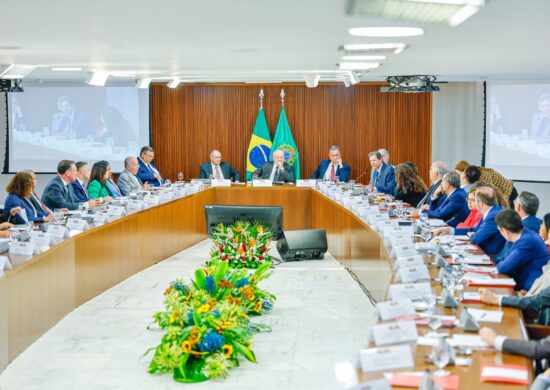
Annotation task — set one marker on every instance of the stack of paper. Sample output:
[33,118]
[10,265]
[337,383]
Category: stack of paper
[492,282]
[505,373]
[486,315]
[414,379]
[467,341]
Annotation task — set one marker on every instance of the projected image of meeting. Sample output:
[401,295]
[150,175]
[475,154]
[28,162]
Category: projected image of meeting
[518,129]
[80,123]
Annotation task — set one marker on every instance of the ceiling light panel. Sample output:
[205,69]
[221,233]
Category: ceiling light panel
[386,31]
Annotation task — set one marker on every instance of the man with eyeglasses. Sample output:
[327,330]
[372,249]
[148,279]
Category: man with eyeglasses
[218,169]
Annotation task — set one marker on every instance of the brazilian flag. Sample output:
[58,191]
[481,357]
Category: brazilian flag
[259,148]
[284,141]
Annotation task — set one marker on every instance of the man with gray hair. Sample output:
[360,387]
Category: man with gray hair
[218,169]
[128,181]
[385,156]
[453,207]
[434,194]
[277,170]
[527,205]
[333,167]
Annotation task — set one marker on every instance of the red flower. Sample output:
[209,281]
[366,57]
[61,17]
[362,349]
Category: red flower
[260,258]
[263,249]
[243,259]
[221,248]
[244,246]
[224,257]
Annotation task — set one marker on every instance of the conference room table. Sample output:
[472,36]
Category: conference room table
[40,291]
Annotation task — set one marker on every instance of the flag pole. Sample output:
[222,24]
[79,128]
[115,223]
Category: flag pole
[283,97]
[261,95]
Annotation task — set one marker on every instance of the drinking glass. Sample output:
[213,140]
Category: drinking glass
[254,176]
[336,179]
[180,176]
[441,356]
[429,300]
[426,234]
[58,215]
[434,322]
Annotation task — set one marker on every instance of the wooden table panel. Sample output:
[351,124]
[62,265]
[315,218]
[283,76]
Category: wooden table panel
[3,322]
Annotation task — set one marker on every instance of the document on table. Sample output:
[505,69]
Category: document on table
[389,310]
[505,373]
[386,358]
[504,282]
[486,315]
[394,333]
[469,341]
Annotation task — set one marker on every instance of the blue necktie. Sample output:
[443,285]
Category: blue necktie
[375,178]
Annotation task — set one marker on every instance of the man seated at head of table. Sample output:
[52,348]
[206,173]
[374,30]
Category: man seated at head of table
[98,187]
[277,170]
[19,191]
[127,180]
[486,233]
[383,175]
[410,187]
[82,179]
[58,193]
[453,207]
[218,169]
[434,194]
[147,171]
[333,167]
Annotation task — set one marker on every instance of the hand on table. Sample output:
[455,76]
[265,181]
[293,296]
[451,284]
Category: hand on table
[488,297]
[488,335]
[441,232]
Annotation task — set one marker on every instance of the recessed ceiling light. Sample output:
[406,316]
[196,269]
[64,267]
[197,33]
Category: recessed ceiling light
[66,69]
[121,74]
[143,83]
[386,31]
[358,65]
[98,78]
[363,58]
[174,83]
[395,47]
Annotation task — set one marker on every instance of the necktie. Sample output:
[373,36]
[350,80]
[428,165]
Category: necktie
[42,205]
[332,173]
[375,178]
[84,188]
[218,172]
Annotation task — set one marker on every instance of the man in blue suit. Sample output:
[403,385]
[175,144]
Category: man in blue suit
[333,167]
[383,177]
[453,208]
[218,169]
[527,254]
[81,181]
[485,233]
[147,172]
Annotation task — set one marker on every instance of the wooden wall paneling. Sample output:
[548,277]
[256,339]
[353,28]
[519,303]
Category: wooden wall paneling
[3,322]
[101,261]
[191,120]
[46,287]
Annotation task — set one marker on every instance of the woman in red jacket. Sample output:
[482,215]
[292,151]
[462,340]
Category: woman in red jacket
[475,216]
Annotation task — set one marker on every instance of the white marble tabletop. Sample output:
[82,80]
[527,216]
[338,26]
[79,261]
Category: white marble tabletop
[321,317]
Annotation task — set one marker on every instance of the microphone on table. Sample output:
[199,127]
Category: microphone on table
[361,175]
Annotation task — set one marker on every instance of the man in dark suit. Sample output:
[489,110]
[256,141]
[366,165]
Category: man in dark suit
[485,233]
[69,122]
[147,172]
[383,178]
[434,194]
[533,349]
[453,207]
[333,167]
[277,170]
[81,181]
[218,169]
[59,194]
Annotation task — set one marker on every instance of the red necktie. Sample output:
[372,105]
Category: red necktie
[332,173]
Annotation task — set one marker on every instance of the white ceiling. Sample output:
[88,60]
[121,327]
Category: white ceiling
[260,40]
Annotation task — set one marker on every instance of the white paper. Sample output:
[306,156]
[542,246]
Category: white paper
[413,291]
[41,239]
[398,230]
[390,310]
[471,296]
[504,373]
[386,358]
[405,251]
[413,274]
[220,183]
[77,224]
[58,231]
[4,264]
[23,249]
[400,240]
[306,183]
[134,204]
[412,261]
[481,270]
[394,333]
[381,225]
[436,223]
[494,282]
[471,341]
[262,183]
[116,210]
[486,315]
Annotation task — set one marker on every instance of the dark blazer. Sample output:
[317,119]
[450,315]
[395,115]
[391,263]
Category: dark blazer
[343,173]
[227,170]
[533,349]
[79,191]
[532,223]
[34,215]
[386,180]
[453,209]
[80,125]
[525,260]
[428,198]
[486,233]
[57,196]
[536,302]
[411,198]
[264,172]
[145,175]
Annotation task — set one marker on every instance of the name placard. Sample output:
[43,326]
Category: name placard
[220,183]
[77,224]
[374,218]
[179,191]
[134,204]
[262,183]
[398,230]
[41,239]
[394,333]
[306,183]
[166,196]
[413,274]
[404,251]
[381,225]
[99,218]
[386,358]
[411,261]
[58,231]
[390,310]
[116,210]
[23,249]
[4,264]
[413,291]
[400,240]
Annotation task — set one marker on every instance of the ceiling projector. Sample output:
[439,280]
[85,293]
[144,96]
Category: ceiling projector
[410,84]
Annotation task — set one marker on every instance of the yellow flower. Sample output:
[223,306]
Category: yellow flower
[260,229]
[204,308]
[186,346]
[173,317]
[168,290]
[227,350]
[252,242]
[239,229]
[258,306]
[242,314]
